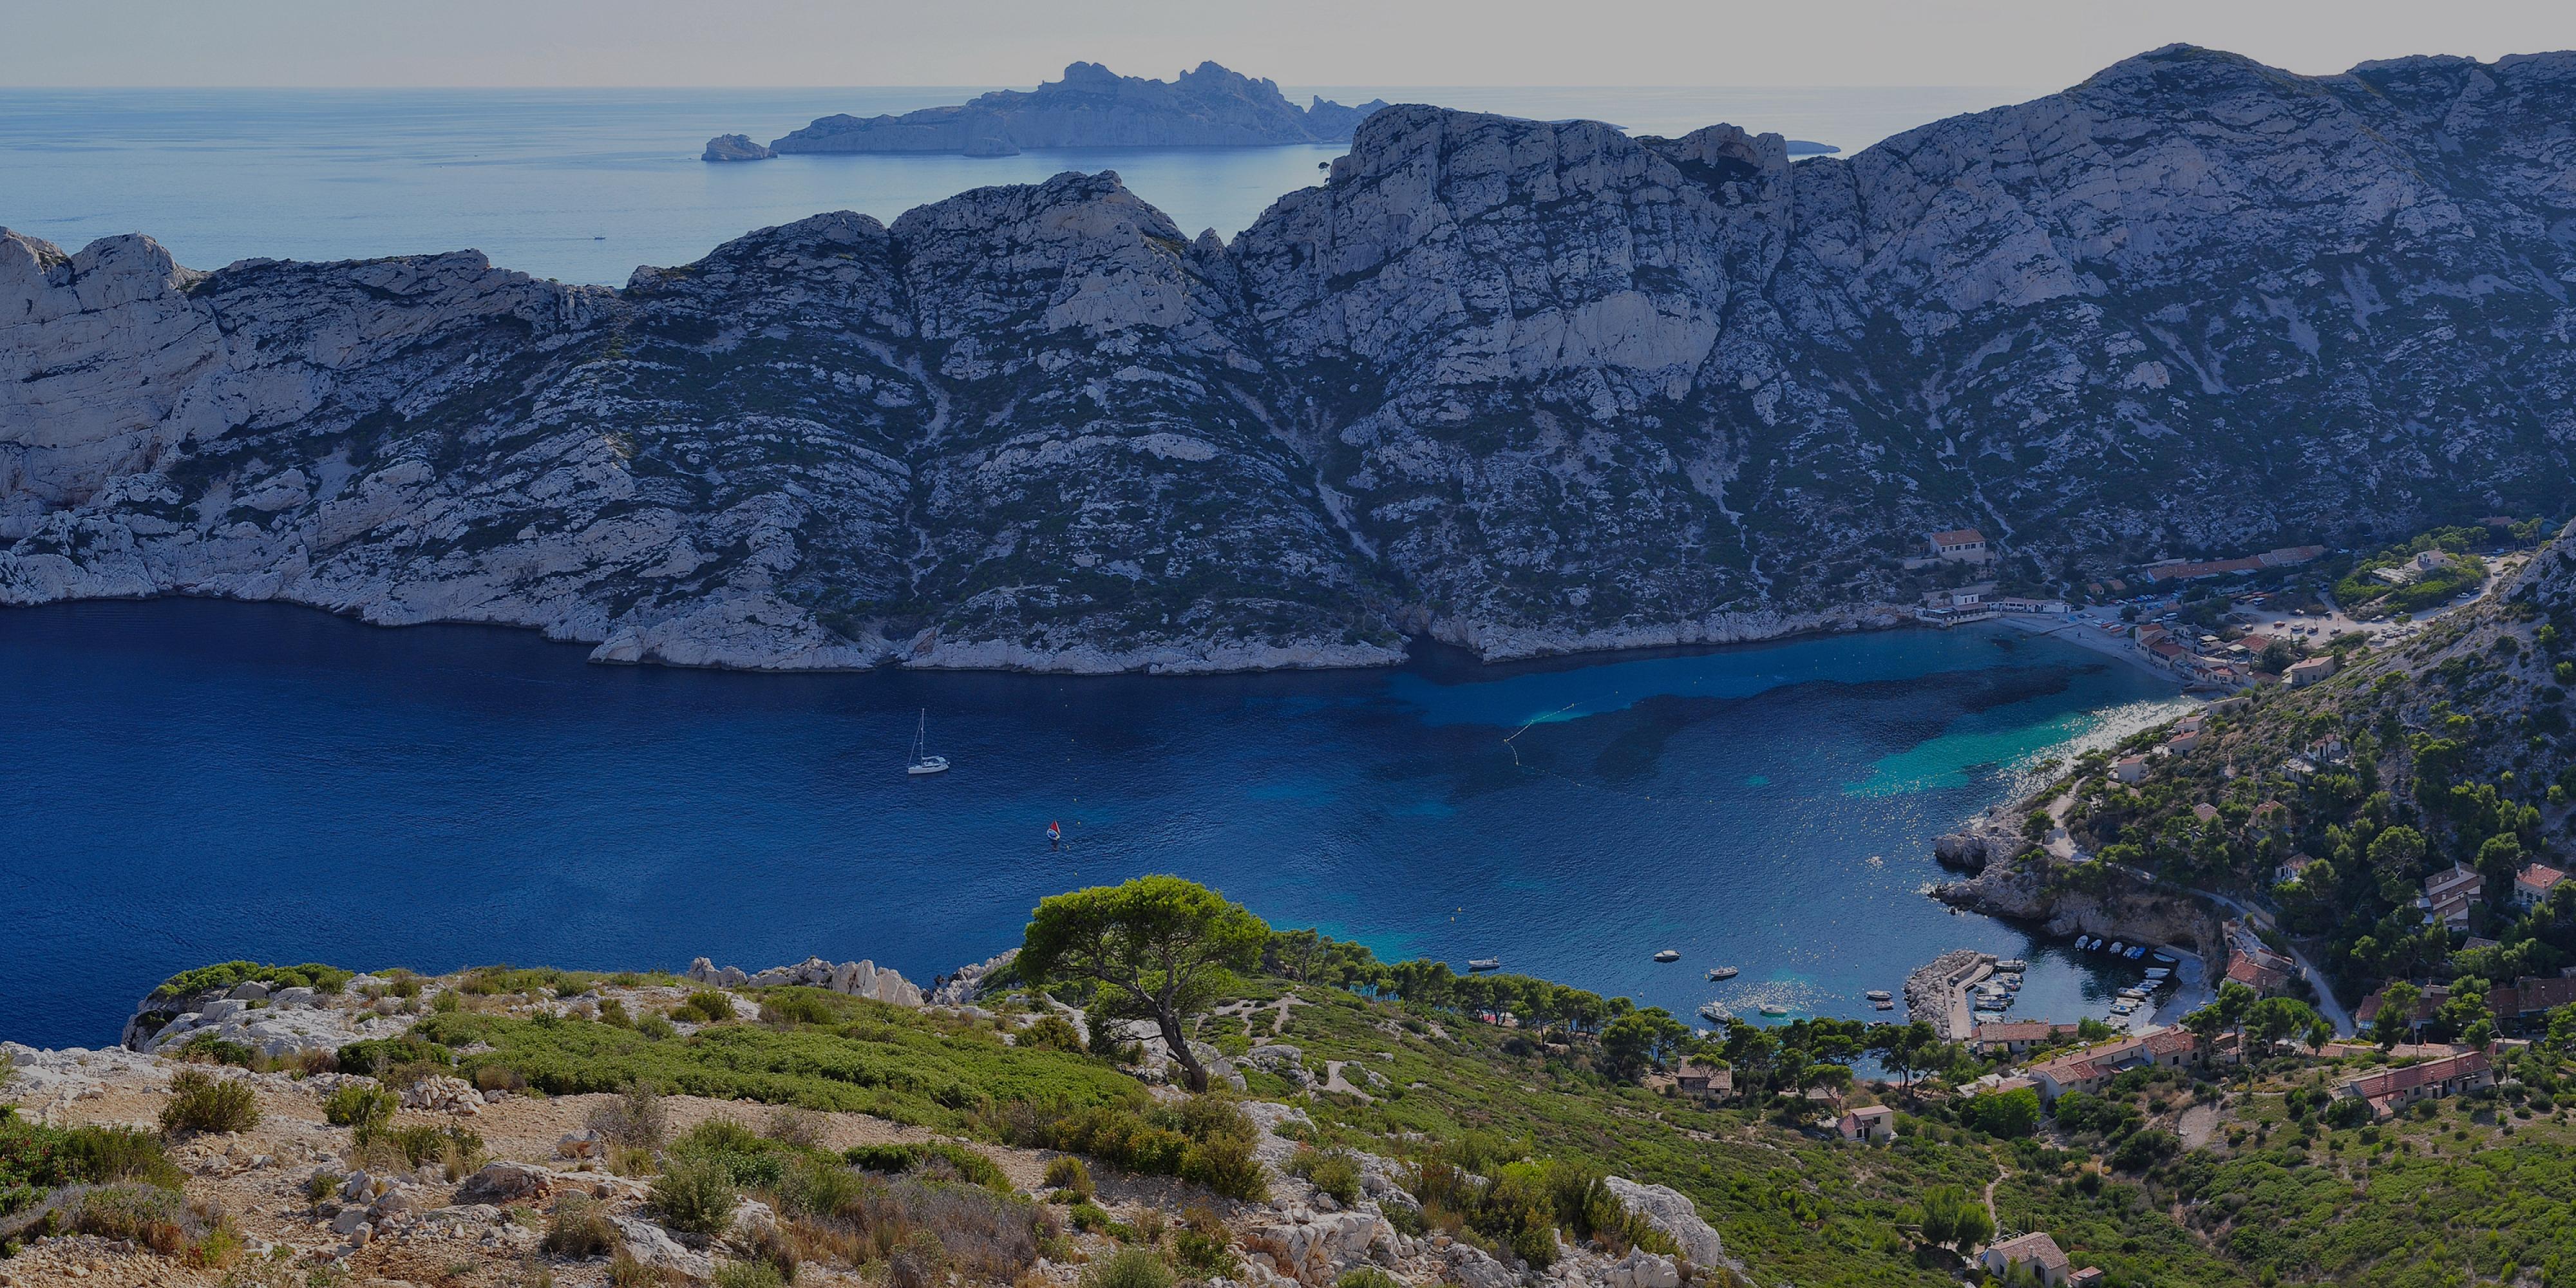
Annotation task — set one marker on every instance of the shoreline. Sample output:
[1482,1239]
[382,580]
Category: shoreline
[2084,637]
[1669,641]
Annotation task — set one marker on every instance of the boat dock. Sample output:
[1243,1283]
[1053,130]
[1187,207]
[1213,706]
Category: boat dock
[1937,992]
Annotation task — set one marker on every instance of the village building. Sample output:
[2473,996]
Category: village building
[1960,545]
[1872,1124]
[2304,673]
[2293,869]
[2090,1070]
[1704,1081]
[2013,1037]
[2531,886]
[2392,1090]
[2130,769]
[2253,963]
[2448,896]
[2034,1254]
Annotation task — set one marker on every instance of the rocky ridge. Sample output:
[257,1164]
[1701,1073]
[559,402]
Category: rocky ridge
[1522,387]
[1094,107]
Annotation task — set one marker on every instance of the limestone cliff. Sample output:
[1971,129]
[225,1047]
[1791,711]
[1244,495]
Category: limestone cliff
[1522,386]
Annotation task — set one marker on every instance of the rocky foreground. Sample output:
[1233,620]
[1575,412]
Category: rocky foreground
[1521,387]
[311,1201]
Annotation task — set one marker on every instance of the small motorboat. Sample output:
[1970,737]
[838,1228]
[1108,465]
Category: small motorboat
[1879,995]
[2165,958]
[1484,963]
[1721,972]
[1774,1009]
[2119,949]
[1715,1013]
[2012,982]
[2012,966]
[2124,1007]
[2136,953]
[1668,955]
[2134,994]
[2087,942]
[1883,1004]
[2158,973]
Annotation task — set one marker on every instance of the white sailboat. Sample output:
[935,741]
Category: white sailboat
[924,764]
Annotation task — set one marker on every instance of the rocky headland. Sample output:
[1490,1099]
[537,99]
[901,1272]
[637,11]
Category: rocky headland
[1094,107]
[735,147]
[1518,386]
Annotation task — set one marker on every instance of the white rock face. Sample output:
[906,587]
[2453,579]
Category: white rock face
[858,979]
[1523,387]
[1672,1212]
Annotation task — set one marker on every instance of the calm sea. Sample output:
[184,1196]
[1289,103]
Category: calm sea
[583,185]
[192,781]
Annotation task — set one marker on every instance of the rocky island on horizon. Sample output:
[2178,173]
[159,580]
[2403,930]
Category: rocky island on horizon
[1091,107]
[1522,387]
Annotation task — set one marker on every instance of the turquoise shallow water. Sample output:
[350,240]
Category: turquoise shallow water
[183,782]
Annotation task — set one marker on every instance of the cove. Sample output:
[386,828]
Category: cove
[188,781]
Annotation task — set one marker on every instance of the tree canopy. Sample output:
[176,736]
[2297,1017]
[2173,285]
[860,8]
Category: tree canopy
[1157,948]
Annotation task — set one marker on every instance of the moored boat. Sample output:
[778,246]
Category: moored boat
[1879,995]
[1484,963]
[2012,966]
[1774,1008]
[1721,972]
[1668,955]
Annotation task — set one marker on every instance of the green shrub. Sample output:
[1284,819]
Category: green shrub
[705,1006]
[695,1195]
[379,1057]
[356,1104]
[636,1119]
[656,1026]
[108,1155]
[143,1214]
[1205,1254]
[822,1187]
[1065,1172]
[579,1227]
[755,1162]
[202,1102]
[1128,1268]
[1366,1277]
[1226,1165]
[1052,1032]
[748,1274]
[225,975]
[971,1167]
[1334,1171]
[206,1048]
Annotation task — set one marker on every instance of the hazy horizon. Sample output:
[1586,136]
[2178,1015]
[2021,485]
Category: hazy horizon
[655,44]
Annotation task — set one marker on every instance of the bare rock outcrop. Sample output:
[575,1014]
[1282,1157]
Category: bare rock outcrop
[735,147]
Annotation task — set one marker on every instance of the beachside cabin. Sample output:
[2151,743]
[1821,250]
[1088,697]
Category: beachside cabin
[1871,1124]
[2390,1091]
[2531,886]
[1960,545]
[2034,1254]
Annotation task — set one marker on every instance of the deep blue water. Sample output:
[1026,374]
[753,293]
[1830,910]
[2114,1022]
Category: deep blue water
[188,781]
[583,185]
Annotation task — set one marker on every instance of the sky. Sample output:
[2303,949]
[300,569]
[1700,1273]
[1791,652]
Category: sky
[382,43]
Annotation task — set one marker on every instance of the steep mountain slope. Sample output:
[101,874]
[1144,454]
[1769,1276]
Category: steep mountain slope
[1523,386]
